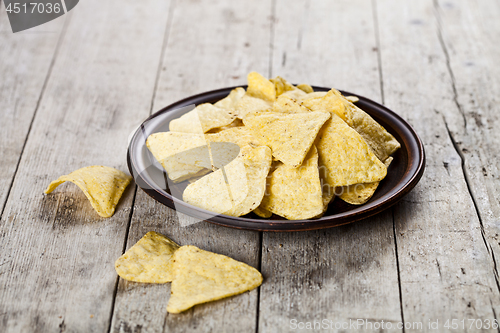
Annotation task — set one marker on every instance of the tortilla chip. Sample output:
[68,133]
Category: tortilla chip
[281,85]
[295,193]
[333,102]
[260,87]
[286,104]
[262,212]
[358,194]
[166,147]
[236,123]
[249,104]
[241,136]
[295,93]
[312,95]
[290,136]
[148,260]
[231,101]
[352,99]
[305,88]
[346,156]
[202,119]
[202,276]
[102,185]
[245,187]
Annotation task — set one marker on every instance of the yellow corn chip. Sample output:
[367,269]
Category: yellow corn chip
[281,85]
[238,135]
[346,156]
[260,87]
[148,260]
[290,136]
[296,193]
[332,102]
[352,99]
[305,88]
[202,276]
[295,93]
[249,104]
[102,185]
[286,104]
[231,101]
[358,194]
[236,123]
[311,96]
[202,119]
[245,187]
[166,147]
[262,212]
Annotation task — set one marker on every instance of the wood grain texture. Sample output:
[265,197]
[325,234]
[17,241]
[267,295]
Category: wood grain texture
[57,254]
[26,62]
[348,272]
[201,54]
[446,270]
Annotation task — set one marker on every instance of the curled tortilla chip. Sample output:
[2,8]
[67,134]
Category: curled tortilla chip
[358,194]
[296,193]
[346,156]
[235,190]
[202,276]
[289,135]
[202,119]
[148,260]
[262,212]
[305,88]
[260,87]
[102,185]
[281,85]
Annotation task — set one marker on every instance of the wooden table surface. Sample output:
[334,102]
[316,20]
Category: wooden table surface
[72,90]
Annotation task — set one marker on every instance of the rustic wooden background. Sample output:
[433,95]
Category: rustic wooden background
[73,89]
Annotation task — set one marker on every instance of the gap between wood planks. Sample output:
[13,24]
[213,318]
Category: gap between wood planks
[42,92]
[160,64]
[381,81]
[457,149]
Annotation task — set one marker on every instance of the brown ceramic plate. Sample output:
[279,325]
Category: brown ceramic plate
[403,174]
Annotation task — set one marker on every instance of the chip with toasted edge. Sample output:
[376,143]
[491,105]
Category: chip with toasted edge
[202,119]
[286,104]
[102,185]
[241,136]
[358,194]
[281,85]
[296,193]
[289,135]
[352,99]
[202,276]
[312,95]
[262,212]
[305,88]
[333,102]
[380,141]
[165,145]
[260,87]
[231,100]
[249,104]
[346,156]
[148,260]
[241,189]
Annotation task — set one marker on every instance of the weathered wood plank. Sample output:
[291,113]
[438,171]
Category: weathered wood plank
[446,271]
[345,273]
[209,47]
[57,255]
[26,62]
[470,32]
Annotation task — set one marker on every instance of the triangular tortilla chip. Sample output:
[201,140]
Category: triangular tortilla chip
[244,189]
[166,145]
[148,260]
[286,104]
[102,185]
[241,136]
[260,87]
[332,102]
[290,136]
[202,119]
[248,104]
[281,85]
[346,156]
[295,193]
[358,194]
[202,276]
[230,102]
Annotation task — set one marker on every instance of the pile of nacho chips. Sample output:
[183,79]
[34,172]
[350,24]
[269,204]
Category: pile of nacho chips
[197,276]
[275,148]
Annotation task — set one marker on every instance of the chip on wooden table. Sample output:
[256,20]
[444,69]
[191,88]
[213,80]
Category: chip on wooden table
[238,188]
[148,260]
[202,276]
[102,185]
[295,193]
[290,136]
